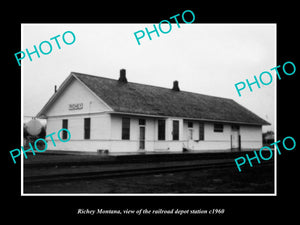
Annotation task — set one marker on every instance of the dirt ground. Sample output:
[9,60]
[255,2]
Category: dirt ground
[258,179]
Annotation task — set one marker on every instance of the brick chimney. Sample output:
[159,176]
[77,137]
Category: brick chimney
[123,78]
[175,86]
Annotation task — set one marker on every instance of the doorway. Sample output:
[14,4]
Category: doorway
[142,135]
[235,138]
[190,138]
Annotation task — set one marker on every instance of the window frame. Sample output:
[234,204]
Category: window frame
[65,123]
[218,127]
[125,134]
[161,130]
[201,131]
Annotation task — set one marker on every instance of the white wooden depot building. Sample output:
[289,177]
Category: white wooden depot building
[121,116]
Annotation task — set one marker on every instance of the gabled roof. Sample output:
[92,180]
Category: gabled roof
[144,99]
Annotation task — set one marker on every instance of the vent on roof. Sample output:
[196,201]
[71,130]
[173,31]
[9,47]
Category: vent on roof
[123,78]
[175,86]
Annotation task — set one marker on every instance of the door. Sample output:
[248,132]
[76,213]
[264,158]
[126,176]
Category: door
[142,138]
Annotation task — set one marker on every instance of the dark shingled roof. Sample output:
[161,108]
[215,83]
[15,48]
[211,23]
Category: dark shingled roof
[146,99]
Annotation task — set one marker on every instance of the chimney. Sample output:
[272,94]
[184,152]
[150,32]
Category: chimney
[175,86]
[123,78]
[55,88]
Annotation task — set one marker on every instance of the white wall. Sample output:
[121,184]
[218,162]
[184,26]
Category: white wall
[75,93]
[251,137]
[151,143]
[106,129]
[132,145]
[99,132]
[212,140]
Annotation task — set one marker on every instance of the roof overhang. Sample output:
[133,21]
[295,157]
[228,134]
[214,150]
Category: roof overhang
[185,118]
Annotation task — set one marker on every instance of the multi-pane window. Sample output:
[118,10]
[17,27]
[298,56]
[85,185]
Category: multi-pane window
[142,122]
[218,127]
[161,130]
[201,131]
[175,132]
[125,128]
[65,126]
[87,128]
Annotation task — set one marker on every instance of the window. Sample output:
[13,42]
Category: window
[175,132]
[161,130]
[201,131]
[190,130]
[218,127]
[235,127]
[125,128]
[65,126]
[87,128]
[142,122]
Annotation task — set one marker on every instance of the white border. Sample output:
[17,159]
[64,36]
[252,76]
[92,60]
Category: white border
[22,116]
[154,194]
[275,119]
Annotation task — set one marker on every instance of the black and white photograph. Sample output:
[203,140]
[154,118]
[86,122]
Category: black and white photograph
[156,117]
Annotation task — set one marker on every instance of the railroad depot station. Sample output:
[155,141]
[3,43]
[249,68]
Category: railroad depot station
[116,115]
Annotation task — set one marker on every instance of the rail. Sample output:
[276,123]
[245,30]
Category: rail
[133,171]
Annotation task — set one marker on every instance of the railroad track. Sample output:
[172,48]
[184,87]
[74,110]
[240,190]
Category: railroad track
[48,178]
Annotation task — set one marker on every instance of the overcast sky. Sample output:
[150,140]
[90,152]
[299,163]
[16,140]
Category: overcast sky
[204,58]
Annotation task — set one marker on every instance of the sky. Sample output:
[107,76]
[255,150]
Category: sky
[204,58]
